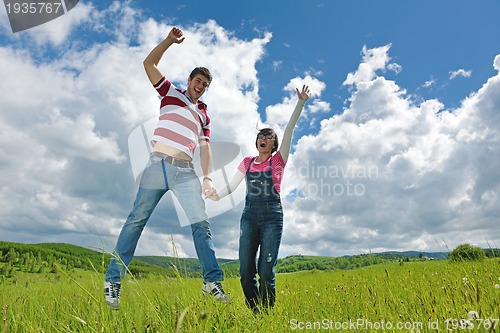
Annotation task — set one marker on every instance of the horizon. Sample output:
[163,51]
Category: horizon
[101,250]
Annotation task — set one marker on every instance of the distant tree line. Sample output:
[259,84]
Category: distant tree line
[52,257]
[304,263]
[26,260]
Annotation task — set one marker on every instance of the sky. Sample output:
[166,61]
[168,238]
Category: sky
[397,147]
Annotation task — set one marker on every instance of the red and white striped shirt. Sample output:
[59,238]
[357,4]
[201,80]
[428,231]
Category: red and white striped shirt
[181,124]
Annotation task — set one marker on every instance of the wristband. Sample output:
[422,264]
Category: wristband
[207,178]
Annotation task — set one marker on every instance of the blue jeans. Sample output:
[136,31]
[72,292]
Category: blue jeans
[261,226]
[185,185]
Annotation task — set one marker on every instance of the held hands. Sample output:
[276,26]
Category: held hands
[209,190]
[213,197]
[175,35]
[304,94]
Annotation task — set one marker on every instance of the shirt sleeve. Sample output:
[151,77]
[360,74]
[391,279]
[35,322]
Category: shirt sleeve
[244,165]
[162,87]
[206,130]
[278,160]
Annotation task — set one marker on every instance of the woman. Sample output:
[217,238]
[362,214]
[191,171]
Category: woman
[261,223]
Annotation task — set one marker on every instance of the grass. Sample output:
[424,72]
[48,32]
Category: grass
[432,296]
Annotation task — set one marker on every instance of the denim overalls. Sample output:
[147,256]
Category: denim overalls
[261,226]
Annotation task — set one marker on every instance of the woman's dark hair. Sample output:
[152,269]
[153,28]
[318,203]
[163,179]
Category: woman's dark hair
[267,131]
[203,71]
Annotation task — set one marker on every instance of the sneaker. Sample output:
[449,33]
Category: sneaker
[215,289]
[112,293]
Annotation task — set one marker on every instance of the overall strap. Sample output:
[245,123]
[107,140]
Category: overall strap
[250,164]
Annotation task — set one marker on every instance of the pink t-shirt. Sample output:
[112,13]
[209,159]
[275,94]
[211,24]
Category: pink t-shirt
[278,168]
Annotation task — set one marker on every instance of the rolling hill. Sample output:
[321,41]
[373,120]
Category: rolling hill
[51,257]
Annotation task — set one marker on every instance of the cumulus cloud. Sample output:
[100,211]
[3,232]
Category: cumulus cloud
[278,114]
[373,60]
[389,174]
[55,32]
[496,63]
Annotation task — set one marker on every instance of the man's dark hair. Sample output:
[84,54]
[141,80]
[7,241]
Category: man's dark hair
[267,131]
[203,71]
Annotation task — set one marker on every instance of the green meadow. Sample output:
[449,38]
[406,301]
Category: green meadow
[397,296]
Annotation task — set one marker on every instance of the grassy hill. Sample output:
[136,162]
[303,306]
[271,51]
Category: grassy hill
[188,267]
[416,296]
[306,263]
[50,257]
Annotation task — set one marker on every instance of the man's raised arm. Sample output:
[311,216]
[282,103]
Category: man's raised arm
[154,57]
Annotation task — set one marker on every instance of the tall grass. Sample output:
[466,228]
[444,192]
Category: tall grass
[432,296]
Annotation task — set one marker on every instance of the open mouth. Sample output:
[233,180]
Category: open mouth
[263,144]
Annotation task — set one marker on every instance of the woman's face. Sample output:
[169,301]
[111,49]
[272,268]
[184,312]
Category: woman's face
[265,142]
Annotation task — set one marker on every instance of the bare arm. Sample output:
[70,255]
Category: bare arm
[287,136]
[231,187]
[206,166]
[154,57]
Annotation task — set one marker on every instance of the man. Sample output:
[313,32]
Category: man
[183,124]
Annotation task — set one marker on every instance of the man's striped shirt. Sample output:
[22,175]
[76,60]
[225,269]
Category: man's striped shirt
[181,124]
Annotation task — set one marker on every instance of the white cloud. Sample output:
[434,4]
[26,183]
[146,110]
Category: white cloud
[77,137]
[319,106]
[396,68]
[428,84]
[277,64]
[460,72]
[57,30]
[387,174]
[279,114]
[373,60]
[496,63]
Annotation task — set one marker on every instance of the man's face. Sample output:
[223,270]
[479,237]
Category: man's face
[197,86]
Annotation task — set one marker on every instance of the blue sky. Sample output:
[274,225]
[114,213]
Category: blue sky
[397,148]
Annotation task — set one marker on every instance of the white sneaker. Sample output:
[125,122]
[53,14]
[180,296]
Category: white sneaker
[215,289]
[112,294]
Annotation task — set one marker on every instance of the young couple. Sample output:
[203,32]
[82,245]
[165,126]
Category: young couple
[183,125]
